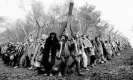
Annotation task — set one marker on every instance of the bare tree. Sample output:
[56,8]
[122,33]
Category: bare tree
[88,17]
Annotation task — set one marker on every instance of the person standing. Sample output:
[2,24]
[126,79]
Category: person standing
[85,51]
[76,54]
[31,48]
[87,46]
[99,50]
[92,54]
[64,54]
[108,49]
[51,47]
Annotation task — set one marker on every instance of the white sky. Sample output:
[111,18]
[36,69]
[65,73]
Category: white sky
[116,12]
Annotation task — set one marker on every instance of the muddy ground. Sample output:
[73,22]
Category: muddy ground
[120,68]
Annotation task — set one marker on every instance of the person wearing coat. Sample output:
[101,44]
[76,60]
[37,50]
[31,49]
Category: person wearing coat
[50,48]
[87,46]
[38,58]
[76,54]
[99,51]
[92,54]
[64,54]
[84,52]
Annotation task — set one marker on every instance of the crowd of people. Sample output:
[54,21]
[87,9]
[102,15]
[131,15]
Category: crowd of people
[53,54]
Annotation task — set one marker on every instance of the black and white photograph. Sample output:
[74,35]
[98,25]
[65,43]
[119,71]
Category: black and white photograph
[66,39]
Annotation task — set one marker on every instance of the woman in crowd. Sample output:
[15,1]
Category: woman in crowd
[31,49]
[50,49]
[92,54]
[84,50]
[99,51]
[109,49]
[24,60]
[38,57]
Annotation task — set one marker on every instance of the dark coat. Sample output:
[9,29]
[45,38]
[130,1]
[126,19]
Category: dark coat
[51,44]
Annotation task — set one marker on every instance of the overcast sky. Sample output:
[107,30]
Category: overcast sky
[116,12]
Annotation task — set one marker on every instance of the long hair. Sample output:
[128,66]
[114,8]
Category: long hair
[53,42]
[55,37]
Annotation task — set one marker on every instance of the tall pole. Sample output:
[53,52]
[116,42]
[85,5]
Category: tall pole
[26,35]
[68,32]
[17,36]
